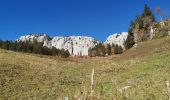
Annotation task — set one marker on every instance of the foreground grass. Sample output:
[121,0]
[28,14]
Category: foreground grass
[25,76]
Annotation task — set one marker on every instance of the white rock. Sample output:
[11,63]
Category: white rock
[33,37]
[76,45]
[117,38]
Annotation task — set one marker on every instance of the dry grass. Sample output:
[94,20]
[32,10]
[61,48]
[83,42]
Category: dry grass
[138,74]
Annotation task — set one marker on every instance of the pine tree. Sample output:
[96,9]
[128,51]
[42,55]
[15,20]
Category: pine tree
[15,46]
[147,12]
[130,40]
[32,47]
[1,42]
[65,53]
[98,50]
[116,51]
[109,49]
[120,50]
[140,27]
[7,45]
[54,51]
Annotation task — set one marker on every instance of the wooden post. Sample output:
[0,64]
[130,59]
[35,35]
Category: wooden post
[92,83]
[168,89]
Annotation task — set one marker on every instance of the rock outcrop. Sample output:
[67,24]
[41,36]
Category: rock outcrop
[117,39]
[76,45]
[35,37]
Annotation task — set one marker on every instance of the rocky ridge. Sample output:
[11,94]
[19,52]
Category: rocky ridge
[117,39]
[76,45]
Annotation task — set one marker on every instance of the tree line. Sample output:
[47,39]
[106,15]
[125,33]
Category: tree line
[33,47]
[103,50]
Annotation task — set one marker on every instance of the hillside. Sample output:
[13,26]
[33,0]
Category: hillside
[140,73]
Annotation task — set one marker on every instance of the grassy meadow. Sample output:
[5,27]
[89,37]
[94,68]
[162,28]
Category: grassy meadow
[139,74]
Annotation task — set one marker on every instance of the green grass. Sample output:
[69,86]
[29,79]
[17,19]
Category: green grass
[145,69]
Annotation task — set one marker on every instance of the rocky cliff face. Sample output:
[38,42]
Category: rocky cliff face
[34,37]
[159,30]
[76,45]
[117,39]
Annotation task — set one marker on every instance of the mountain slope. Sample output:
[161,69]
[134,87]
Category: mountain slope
[144,70]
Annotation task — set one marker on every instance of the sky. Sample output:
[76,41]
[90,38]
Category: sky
[94,18]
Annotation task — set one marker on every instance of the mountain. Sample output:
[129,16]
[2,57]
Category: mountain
[117,39]
[76,45]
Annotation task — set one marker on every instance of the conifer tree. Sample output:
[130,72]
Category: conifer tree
[120,50]
[32,47]
[140,27]
[98,50]
[109,49]
[116,51]
[147,12]
[1,43]
[130,39]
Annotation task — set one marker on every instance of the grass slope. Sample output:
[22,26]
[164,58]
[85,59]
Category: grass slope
[144,70]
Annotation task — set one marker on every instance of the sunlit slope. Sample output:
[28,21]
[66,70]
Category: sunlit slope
[141,71]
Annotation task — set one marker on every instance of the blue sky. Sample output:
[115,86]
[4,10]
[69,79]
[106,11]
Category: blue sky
[96,18]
